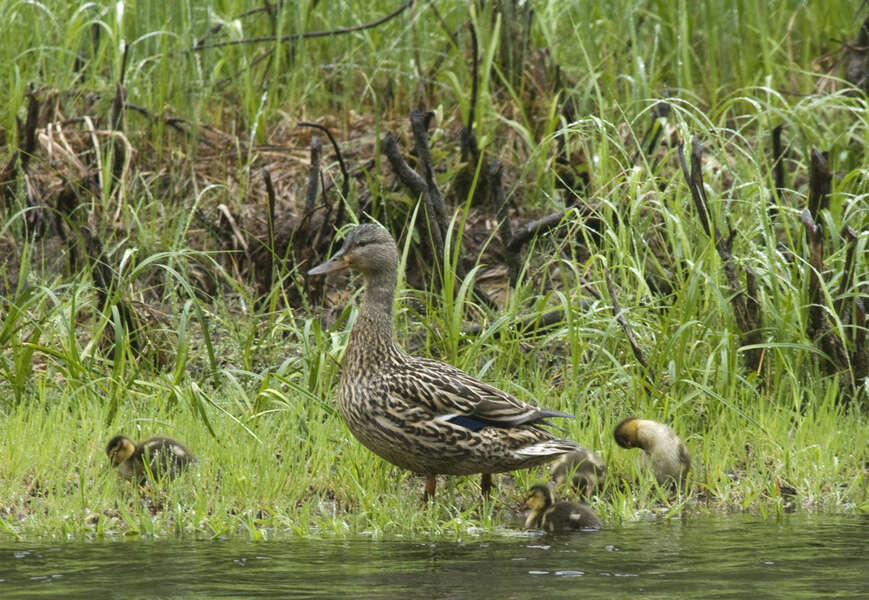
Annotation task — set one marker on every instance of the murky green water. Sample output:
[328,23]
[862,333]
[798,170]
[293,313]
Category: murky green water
[799,556]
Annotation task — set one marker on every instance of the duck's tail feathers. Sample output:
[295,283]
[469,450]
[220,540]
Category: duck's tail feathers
[547,448]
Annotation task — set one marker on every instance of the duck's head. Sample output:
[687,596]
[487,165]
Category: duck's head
[539,498]
[120,448]
[368,248]
[626,432]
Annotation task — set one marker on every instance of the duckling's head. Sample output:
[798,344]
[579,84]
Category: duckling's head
[368,248]
[539,498]
[120,448]
[626,432]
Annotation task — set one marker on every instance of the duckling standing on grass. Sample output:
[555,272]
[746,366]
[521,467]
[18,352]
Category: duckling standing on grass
[421,414]
[557,517]
[663,449]
[584,468]
[159,456]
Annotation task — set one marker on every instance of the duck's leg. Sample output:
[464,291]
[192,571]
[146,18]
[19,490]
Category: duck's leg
[486,484]
[430,484]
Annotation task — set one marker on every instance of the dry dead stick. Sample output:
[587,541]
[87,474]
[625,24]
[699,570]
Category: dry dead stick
[309,35]
[313,174]
[746,302]
[505,228]
[531,229]
[778,169]
[620,318]
[820,181]
[419,124]
[819,327]
[419,187]
[426,188]
[270,215]
[345,176]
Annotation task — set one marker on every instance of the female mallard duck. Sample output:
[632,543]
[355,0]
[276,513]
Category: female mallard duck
[584,469]
[420,414]
[663,449]
[158,456]
[557,517]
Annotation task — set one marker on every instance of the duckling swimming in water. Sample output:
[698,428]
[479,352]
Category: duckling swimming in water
[557,517]
[663,449]
[164,457]
[584,469]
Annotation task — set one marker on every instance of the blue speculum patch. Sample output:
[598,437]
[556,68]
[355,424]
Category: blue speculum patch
[468,423]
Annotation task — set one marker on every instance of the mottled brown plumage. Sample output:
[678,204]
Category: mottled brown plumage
[421,414]
[557,517]
[162,457]
[584,469]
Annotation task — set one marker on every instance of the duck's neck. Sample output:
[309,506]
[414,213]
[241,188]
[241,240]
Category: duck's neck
[371,338]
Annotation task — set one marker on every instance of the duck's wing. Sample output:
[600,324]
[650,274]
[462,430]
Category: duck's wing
[454,395]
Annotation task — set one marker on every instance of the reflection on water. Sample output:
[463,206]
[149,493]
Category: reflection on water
[799,556]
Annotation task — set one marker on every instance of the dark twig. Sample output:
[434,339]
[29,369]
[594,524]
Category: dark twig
[505,228]
[470,151]
[820,180]
[695,184]
[819,326]
[419,124]
[650,140]
[309,35]
[746,301]
[345,181]
[313,174]
[270,215]
[426,188]
[778,170]
[267,8]
[620,318]
[419,188]
[533,228]
[527,326]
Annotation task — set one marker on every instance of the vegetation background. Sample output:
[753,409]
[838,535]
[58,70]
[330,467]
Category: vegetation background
[160,205]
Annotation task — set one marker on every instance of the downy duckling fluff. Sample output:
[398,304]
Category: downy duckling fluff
[663,449]
[557,517]
[164,457]
[584,469]
[421,414]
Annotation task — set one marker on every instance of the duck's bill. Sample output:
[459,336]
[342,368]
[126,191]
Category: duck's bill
[336,263]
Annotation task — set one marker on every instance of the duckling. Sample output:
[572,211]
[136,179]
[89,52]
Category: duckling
[663,449]
[584,469]
[164,457]
[557,517]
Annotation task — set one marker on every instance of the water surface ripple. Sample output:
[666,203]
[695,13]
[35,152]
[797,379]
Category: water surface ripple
[797,556]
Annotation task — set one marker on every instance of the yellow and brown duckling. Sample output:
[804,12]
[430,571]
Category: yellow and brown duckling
[584,469]
[420,414]
[557,517]
[664,451]
[162,457]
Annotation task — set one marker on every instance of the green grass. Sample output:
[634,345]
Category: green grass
[247,377]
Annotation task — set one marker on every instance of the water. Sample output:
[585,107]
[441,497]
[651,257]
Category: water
[799,556]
